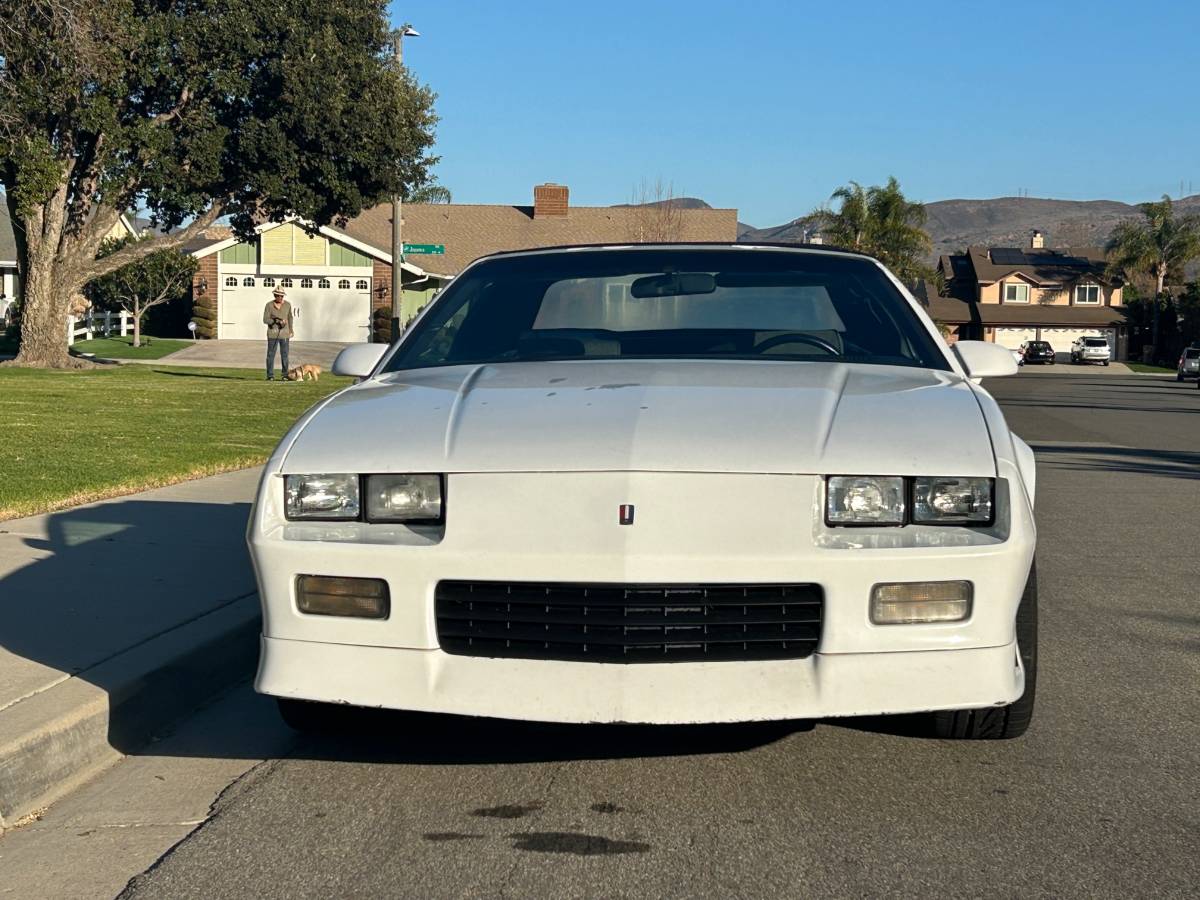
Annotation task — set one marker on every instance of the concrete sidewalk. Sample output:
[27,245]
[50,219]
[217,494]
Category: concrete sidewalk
[247,355]
[116,619]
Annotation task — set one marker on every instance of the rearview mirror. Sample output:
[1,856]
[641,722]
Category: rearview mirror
[982,359]
[360,360]
[673,284]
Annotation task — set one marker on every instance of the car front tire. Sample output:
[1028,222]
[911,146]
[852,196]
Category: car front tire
[998,723]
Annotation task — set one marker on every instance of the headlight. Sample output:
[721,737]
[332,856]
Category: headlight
[865,500]
[321,496]
[953,501]
[887,500]
[404,498]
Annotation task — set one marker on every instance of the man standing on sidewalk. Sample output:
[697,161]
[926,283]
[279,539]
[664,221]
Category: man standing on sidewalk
[277,316]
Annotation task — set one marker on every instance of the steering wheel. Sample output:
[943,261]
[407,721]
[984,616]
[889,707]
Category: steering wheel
[796,338]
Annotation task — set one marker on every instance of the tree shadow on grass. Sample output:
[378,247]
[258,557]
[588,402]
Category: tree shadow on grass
[224,377]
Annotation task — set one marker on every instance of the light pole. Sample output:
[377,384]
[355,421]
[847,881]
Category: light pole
[398,37]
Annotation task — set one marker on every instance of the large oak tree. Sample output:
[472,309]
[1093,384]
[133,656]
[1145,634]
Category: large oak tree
[192,111]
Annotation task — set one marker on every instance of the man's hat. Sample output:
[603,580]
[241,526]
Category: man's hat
[278,292]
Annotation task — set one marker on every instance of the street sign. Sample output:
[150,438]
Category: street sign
[437,249]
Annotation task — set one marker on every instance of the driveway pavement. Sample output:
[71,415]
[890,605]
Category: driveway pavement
[250,354]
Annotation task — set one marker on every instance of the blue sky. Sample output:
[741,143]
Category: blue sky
[768,106]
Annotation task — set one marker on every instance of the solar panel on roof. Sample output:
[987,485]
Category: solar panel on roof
[1008,256]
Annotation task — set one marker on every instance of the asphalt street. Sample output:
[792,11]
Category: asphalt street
[1100,799]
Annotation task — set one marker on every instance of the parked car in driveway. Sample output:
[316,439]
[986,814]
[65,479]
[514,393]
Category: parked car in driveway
[1037,352]
[1189,364]
[1091,350]
[661,484]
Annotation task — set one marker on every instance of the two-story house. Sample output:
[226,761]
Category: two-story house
[1010,295]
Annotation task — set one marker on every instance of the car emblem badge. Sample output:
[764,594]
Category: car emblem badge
[625,514]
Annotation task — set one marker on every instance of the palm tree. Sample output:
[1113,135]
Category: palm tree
[849,225]
[881,221]
[898,234]
[1157,245]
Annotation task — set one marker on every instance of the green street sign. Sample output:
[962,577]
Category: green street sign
[437,249]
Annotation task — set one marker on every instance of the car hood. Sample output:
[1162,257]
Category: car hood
[620,415]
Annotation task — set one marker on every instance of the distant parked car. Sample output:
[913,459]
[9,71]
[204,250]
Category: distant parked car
[1018,357]
[1037,352]
[1189,364]
[1091,350]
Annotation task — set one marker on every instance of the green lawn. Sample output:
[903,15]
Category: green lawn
[1150,370]
[68,437]
[122,347]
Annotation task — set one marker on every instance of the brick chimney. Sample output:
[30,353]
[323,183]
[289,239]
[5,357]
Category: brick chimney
[549,200]
[1038,241]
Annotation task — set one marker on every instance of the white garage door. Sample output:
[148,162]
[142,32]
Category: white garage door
[335,309]
[1062,338]
[1012,338]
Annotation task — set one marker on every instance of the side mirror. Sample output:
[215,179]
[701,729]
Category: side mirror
[360,360]
[982,359]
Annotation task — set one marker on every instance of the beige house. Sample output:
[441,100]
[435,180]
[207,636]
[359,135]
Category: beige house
[1011,295]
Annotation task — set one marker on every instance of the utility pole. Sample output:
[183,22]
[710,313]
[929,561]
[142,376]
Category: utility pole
[398,37]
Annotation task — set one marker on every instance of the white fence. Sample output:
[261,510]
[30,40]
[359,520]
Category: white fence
[98,324]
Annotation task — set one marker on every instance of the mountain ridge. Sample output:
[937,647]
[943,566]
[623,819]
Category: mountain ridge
[1000,221]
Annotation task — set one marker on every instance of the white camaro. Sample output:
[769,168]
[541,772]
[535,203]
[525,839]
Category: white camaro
[657,483]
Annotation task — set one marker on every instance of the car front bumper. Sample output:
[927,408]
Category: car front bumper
[824,685]
[689,529]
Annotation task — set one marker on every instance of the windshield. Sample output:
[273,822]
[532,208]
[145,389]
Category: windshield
[670,304]
[1039,345]
[1095,342]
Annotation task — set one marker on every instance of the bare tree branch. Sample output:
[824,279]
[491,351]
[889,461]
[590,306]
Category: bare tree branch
[139,249]
[176,110]
[657,215]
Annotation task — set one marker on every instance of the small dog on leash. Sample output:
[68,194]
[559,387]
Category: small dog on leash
[303,373]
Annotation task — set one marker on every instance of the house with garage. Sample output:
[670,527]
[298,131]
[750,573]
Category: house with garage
[338,278]
[337,285]
[1011,295]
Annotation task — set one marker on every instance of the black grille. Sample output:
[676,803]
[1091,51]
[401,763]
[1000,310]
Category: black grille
[642,623]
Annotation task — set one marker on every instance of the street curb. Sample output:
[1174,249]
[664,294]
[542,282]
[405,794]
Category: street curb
[55,740]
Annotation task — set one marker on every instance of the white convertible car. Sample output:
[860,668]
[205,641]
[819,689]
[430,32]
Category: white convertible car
[657,483]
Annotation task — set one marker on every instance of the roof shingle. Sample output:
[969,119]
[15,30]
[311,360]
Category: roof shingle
[471,231]
[1042,266]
